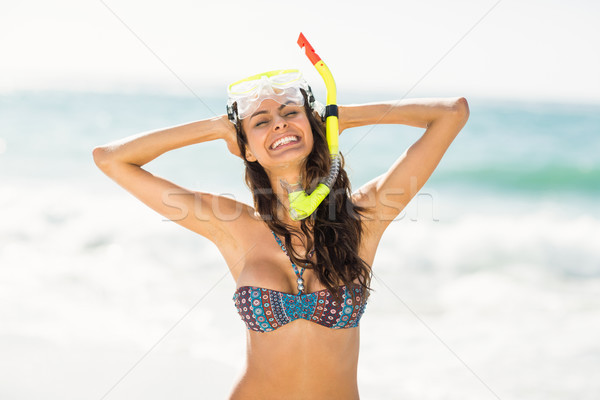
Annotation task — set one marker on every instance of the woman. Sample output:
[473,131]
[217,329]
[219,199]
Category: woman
[302,285]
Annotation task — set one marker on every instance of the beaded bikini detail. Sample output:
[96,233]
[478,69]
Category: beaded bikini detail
[264,310]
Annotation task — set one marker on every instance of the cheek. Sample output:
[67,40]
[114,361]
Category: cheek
[309,134]
[253,138]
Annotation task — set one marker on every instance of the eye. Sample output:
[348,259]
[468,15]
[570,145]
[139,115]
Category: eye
[290,110]
[260,123]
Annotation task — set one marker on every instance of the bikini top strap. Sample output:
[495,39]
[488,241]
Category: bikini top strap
[298,273]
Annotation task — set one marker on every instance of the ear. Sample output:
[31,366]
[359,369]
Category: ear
[249,156]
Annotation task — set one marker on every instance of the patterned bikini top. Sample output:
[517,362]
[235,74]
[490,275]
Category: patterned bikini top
[264,310]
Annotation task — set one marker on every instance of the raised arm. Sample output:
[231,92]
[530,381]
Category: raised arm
[204,213]
[388,194]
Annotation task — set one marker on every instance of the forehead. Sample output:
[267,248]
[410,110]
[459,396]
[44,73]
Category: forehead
[275,105]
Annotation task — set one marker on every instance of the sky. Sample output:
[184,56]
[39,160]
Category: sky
[507,49]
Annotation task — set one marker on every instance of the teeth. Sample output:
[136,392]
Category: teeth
[283,141]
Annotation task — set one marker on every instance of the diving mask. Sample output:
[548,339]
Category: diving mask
[282,86]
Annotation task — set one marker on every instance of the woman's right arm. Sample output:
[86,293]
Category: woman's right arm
[207,214]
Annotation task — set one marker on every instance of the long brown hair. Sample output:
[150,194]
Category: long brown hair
[334,230]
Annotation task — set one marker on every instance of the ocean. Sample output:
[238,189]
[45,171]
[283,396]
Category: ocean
[486,287]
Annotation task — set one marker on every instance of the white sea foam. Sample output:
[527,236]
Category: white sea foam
[92,269]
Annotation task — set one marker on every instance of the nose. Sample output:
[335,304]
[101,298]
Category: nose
[279,123]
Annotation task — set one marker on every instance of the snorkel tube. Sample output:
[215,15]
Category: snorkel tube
[301,204]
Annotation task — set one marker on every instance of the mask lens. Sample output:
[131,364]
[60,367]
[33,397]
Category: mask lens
[282,86]
[247,105]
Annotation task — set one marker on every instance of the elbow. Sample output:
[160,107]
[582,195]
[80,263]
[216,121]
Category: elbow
[461,109]
[101,157]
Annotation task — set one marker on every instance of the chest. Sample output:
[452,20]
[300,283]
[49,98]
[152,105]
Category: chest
[268,266]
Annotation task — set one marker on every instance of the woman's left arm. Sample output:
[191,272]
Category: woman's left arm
[388,194]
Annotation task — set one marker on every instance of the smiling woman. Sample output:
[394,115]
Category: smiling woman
[301,285]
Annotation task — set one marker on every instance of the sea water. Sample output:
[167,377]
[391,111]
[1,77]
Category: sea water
[486,286]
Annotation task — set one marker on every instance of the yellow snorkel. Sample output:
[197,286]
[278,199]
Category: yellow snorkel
[301,204]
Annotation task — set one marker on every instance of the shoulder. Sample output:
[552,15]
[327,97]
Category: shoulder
[235,226]
[366,198]
[231,217]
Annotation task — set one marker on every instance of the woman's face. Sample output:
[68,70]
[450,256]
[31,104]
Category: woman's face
[278,134]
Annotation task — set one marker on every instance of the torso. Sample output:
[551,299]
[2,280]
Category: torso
[301,359]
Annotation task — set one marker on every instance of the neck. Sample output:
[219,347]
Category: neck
[289,177]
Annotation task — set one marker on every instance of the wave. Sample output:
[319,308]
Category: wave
[552,243]
[553,178]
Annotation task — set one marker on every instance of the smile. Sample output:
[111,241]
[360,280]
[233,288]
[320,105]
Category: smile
[283,141]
